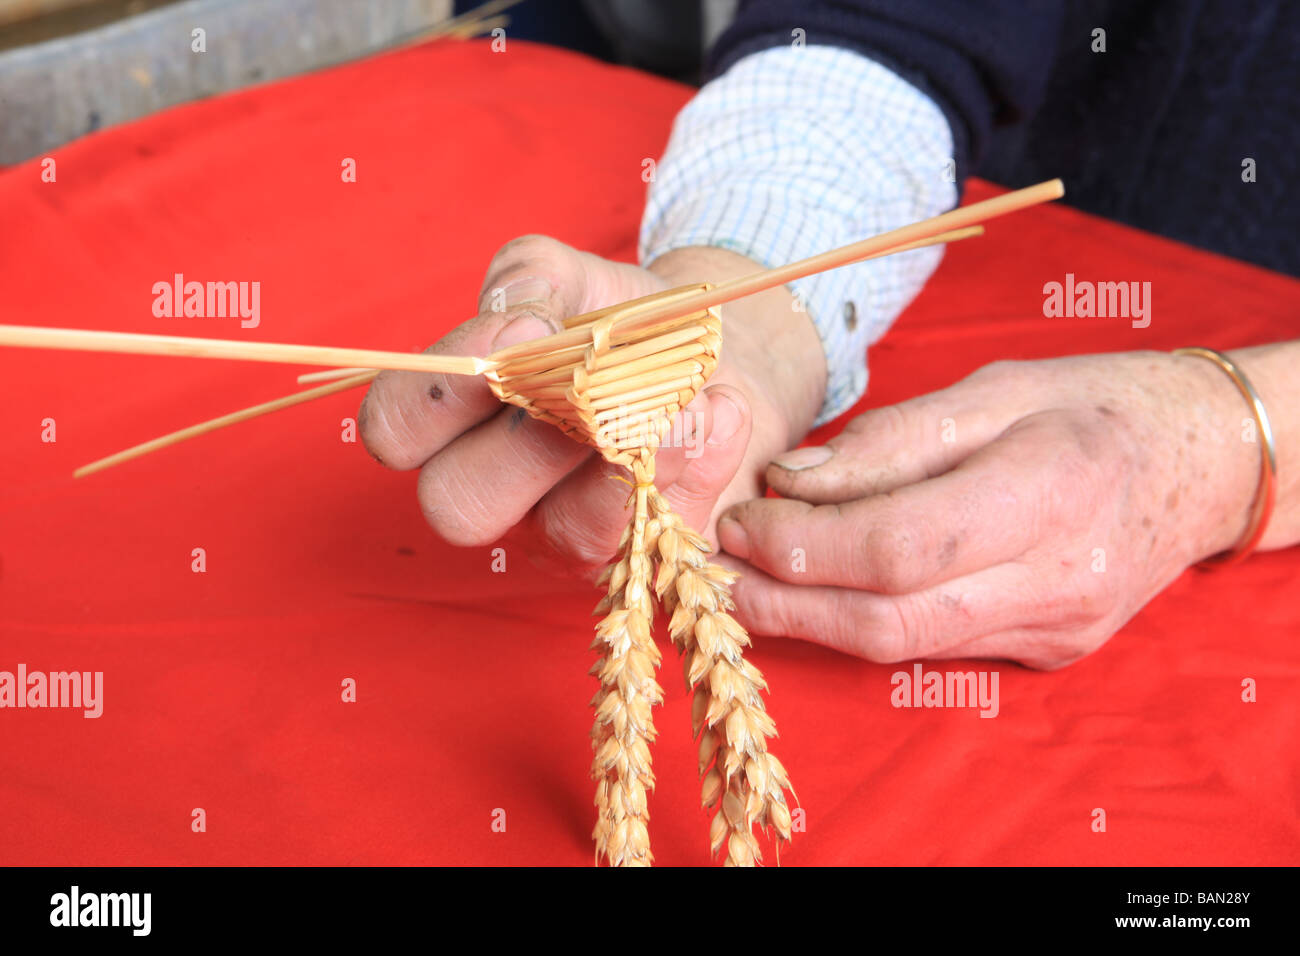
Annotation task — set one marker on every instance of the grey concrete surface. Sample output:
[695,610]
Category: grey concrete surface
[54,92]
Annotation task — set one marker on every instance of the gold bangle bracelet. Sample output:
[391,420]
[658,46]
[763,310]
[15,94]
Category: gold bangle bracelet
[1266,491]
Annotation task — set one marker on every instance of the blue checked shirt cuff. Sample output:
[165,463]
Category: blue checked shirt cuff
[796,150]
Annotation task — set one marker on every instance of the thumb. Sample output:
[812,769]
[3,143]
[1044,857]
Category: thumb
[552,281]
[887,448]
[697,491]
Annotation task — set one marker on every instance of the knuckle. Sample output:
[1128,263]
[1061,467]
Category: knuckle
[995,370]
[539,252]
[527,243]
[1001,374]
[1076,465]
[883,422]
[893,555]
[533,256]
[1082,600]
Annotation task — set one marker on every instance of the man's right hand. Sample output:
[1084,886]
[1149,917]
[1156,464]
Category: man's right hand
[484,467]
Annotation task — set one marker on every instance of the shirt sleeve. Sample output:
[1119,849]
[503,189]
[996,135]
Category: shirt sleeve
[796,150]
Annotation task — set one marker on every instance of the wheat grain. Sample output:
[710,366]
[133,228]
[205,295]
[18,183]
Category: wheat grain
[623,728]
[740,776]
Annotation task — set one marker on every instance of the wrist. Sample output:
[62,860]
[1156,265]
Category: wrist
[1223,450]
[765,338]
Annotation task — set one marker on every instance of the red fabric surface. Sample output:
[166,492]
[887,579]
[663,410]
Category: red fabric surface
[222,689]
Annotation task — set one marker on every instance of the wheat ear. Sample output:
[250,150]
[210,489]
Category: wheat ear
[727,710]
[623,728]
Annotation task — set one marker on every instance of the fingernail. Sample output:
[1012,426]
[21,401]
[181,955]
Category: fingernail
[521,329]
[733,537]
[521,291]
[727,418]
[802,458]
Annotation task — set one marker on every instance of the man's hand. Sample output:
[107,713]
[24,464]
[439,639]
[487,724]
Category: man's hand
[485,468]
[1026,512]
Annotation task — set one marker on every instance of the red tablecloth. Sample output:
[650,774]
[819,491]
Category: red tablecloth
[222,689]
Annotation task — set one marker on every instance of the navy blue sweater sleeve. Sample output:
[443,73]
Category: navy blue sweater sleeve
[984,62]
